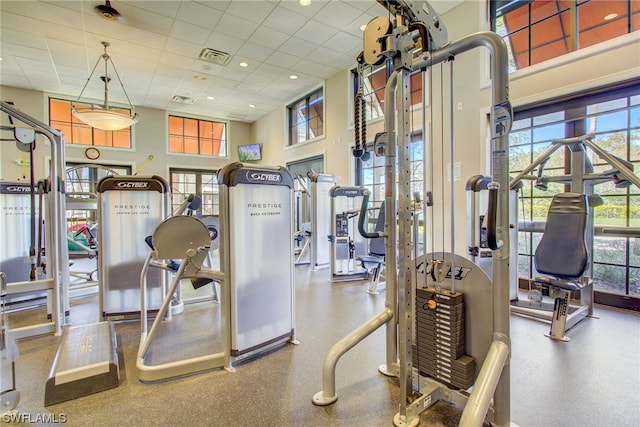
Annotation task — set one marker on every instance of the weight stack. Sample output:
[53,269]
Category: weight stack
[440,349]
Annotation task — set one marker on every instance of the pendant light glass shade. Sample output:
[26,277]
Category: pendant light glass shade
[103,117]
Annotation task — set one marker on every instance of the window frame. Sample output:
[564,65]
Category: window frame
[571,37]
[225,137]
[79,126]
[370,97]
[288,118]
[177,197]
[576,118]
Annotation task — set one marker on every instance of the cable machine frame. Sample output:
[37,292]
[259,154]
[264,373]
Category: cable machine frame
[493,380]
[57,278]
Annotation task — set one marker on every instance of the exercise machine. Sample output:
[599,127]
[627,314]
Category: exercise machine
[256,256]
[374,261]
[54,281]
[9,394]
[187,239]
[572,297]
[490,397]
[256,275]
[346,243]
[478,250]
[82,215]
[320,248]
[129,209]
[302,219]
[84,352]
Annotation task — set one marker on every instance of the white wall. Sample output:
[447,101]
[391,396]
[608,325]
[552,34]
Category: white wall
[335,145]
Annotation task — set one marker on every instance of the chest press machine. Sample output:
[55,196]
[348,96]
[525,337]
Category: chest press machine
[563,255]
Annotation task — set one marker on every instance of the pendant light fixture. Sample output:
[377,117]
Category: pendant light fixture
[103,117]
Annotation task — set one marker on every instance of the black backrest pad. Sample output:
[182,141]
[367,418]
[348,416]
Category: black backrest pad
[377,246]
[562,251]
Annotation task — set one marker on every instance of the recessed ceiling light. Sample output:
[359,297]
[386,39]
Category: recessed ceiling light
[252,105]
[293,77]
[305,2]
[610,16]
[244,64]
[211,97]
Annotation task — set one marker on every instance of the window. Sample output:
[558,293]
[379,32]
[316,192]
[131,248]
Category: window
[374,81]
[538,30]
[202,183]
[77,132]
[370,173]
[198,137]
[306,118]
[614,119]
[81,191]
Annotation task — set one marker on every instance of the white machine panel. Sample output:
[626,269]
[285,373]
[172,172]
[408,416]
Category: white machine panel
[127,214]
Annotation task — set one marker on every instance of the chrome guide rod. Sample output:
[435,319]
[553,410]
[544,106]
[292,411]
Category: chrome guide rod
[452,176]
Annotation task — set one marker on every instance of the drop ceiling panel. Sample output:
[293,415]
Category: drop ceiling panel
[268,37]
[344,43]
[254,11]
[131,8]
[285,20]
[23,51]
[200,14]
[189,32]
[298,47]
[255,52]
[224,42]
[315,32]
[51,12]
[22,38]
[181,47]
[327,56]
[18,22]
[141,19]
[236,27]
[308,11]
[282,59]
[64,33]
[338,15]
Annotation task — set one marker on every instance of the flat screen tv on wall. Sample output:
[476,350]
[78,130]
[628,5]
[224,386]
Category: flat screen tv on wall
[249,153]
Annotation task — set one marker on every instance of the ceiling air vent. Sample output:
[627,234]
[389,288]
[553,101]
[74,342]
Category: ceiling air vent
[183,99]
[214,56]
[236,116]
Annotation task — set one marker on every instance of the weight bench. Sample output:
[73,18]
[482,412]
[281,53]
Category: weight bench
[562,256]
[374,263]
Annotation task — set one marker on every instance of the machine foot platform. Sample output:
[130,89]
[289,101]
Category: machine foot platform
[86,362]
